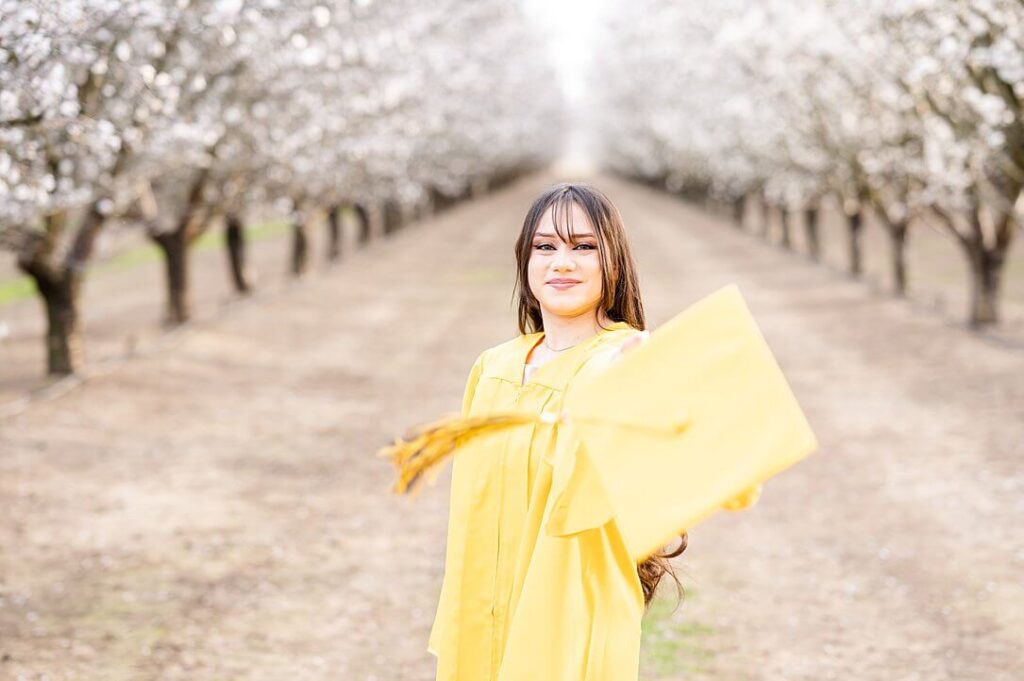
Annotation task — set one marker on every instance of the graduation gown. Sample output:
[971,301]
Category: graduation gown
[538,582]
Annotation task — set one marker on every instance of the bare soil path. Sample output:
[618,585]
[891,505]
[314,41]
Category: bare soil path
[213,510]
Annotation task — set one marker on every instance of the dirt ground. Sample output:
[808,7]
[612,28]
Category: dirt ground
[211,507]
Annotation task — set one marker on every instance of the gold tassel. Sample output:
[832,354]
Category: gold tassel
[426,446]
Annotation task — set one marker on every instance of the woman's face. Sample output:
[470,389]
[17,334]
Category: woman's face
[565,277]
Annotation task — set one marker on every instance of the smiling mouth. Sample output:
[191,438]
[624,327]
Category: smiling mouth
[563,283]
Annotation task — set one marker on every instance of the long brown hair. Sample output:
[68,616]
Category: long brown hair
[620,300]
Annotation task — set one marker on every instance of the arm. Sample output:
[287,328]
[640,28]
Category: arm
[471,383]
[581,499]
[749,496]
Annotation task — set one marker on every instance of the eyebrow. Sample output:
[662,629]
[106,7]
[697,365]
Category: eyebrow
[583,235]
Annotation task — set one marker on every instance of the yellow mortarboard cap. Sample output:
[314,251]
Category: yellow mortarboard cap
[691,421]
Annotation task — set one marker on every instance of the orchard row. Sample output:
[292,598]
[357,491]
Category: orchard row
[172,116]
[911,109]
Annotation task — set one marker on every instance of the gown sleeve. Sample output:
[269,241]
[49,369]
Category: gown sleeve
[434,640]
[580,500]
[471,383]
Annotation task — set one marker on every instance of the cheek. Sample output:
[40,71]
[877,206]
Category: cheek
[535,275]
[592,266]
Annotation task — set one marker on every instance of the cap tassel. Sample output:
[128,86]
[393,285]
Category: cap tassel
[425,447]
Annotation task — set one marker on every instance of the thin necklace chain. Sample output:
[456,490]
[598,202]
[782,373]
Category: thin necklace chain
[545,341]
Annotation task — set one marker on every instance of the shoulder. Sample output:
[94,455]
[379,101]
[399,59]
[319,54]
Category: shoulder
[509,347]
[504,353]
[611,341]
[606,350]
[618,334]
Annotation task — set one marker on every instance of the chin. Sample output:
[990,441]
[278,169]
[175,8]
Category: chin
[568,310]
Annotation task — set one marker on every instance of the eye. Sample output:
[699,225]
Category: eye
[588,247]
[544,247]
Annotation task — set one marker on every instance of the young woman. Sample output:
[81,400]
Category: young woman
[538,584]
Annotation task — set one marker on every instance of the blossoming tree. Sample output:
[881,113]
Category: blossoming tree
[171,114]
[908,107]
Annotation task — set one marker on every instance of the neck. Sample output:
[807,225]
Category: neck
[563,332]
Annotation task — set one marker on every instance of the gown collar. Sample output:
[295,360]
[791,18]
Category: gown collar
[554,373]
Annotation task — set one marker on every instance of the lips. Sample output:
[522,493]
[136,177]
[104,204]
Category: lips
[562,284]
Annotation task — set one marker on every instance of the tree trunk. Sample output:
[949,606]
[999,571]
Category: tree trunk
[175,248]
[784,226]
[766,217]
[854,225]
[59,290]
[441,201]
[898,242]
[235,237]
[811,230]
[392,217]
[739,206]
[60,287]
[363,216]
[502,179]
[85,239]
[334,234]
[986,257]
[986,262]
[175,245]
[986,277]
[300,246]
[64,353]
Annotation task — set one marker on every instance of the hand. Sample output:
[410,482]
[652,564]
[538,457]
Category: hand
[631,343]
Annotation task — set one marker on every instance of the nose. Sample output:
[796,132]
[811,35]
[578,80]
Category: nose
[564,261]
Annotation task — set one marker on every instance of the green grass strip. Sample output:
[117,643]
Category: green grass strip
[671,646]
[18,288]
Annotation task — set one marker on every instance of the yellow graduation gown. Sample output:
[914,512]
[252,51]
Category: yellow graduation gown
[538,583]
